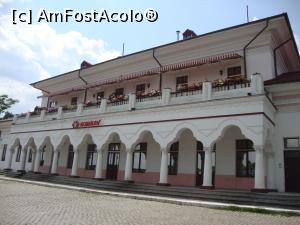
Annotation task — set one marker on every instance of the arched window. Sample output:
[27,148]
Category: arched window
[30,156]
[91,158]
[42,155]
[173,159]
[4,152]
[139,158]
[18,153]
[245,158]
[70,157]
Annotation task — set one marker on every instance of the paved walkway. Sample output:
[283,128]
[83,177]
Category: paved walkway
[22,203]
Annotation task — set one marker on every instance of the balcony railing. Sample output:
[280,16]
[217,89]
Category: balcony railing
[69,108]
[187,92]
[208,91]
[92,105]
[230,85]
[148,97]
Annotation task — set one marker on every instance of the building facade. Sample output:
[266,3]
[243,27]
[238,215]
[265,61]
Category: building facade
[219,110]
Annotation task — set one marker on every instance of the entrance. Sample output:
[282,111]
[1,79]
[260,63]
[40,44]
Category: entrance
[200,164]
[292,170]
[113,158]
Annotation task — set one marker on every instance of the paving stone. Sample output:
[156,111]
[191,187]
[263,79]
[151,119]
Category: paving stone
[26,204]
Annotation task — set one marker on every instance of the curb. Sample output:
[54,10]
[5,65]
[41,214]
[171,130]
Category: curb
[187,202]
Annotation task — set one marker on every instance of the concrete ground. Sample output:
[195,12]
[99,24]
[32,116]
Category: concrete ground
[22,203]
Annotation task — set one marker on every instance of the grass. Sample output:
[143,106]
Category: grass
[260,211]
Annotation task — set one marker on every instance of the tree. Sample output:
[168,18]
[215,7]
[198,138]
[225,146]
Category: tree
[6,103]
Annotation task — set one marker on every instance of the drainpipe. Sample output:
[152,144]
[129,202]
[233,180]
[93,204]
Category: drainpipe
[244,49]
[84,81]
[160,75]
[274,54]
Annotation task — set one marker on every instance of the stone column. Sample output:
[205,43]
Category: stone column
[207,176]
[128,166]
[33,161]
[271,169]
[98,174]
[166,95]
[103,105]
[9,161]
[54,162]
[23,161]
[75,164]
[37,161]
[163,177]
[259,180]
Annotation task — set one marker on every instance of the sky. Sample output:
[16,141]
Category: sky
[29,53]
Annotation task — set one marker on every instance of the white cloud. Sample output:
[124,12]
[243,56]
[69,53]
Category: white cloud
[254,18]
[33,52]
[3,2]
[26,94]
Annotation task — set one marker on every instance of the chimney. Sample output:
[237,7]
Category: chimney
[85,64]
[178,33]
[187,34]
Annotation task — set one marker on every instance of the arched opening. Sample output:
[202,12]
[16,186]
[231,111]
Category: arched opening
[235,160]
[182,159]
[115,155]
[146,159]
[45,156]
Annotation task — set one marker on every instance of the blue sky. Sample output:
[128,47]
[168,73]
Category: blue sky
[32,52]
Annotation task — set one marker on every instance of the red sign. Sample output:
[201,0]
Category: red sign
[90,123]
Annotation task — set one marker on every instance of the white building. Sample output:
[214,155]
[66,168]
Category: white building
[210,110]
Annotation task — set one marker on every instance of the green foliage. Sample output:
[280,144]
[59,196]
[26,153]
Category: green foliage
[6,103]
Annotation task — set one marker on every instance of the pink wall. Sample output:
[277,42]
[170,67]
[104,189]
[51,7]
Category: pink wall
[233,182]
[221,181]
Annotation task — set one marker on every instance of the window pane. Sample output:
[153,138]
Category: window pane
[143,161]
[291,142]
[251,163]
[136,158]
[94,158]
[241,158]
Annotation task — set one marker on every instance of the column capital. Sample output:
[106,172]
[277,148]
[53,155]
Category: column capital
[207,148]
[259,148]
[99,150]
[129,150]
[164,149]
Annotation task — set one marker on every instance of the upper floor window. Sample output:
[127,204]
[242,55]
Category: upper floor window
[139,158]
[4,152]
[91,158]
[291,143]
[245,158]
[70,157]
[18,153]
[74,101]
[140,89]
[119,91]
[100,95]
[173,159]
[181,83]
[234,71]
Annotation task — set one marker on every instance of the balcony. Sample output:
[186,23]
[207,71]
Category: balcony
[207,91]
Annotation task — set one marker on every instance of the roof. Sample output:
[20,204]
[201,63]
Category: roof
[39,84]
[285,78]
